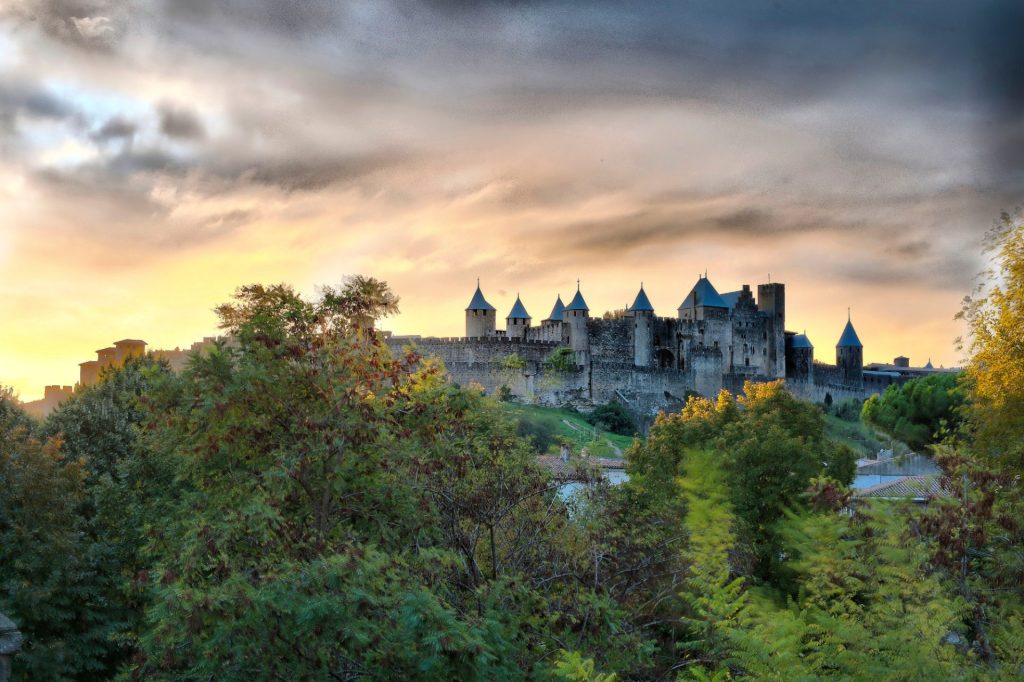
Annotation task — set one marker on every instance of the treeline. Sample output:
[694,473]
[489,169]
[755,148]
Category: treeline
[302,505]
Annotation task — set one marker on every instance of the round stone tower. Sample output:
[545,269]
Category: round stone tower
[575,316]
[850,355]
[800,365]
[518,321]
[643,329]
[481,316]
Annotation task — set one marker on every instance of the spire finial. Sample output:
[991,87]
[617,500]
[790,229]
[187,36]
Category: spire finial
[705,273]
[477,282]
[848,318]
[577,284]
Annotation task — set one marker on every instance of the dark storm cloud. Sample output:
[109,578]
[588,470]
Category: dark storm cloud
[115,128]
[311,174]
[665,226]
[528,58]
[293,19]
[180,123]
[323,95]
[1002,87]
[26,99]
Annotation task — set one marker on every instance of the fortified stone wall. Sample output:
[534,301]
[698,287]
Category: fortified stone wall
[493,349]
[611,339]
[644,389]
[816,392]
[750,343]
[484,361]
[706,368]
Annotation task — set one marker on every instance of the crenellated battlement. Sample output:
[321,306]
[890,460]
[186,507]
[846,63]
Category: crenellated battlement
[472,340]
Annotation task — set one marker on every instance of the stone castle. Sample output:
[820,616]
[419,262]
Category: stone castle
[715,341]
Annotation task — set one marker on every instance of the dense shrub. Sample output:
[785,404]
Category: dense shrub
[613,417]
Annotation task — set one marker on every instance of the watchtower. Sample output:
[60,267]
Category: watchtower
[518,321]
[850,355]
[575,316]
[481,316]
[643,323]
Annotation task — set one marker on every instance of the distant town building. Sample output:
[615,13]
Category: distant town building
[90,371]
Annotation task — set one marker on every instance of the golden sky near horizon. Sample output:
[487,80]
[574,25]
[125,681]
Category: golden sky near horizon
[156,155]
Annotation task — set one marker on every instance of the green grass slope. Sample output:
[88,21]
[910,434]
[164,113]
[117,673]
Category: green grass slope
[859,436]
[572,427]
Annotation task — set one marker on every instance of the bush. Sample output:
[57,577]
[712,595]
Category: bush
[614,417]
[540,433]
[562,359]
[847,410]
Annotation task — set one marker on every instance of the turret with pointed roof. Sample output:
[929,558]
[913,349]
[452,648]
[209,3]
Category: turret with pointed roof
[641,304]
[703,295]
[801,341]
[518,311]
[643,323]
[479,302]
[850,354]
[577,304]
[849,338]
[481,316]
[558,312]
[518,320]
[800,358]
[575,316]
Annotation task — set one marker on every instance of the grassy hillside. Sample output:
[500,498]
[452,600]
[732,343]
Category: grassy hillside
[864,441]
[572,427]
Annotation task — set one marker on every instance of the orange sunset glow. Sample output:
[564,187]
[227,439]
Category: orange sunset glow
[155,156]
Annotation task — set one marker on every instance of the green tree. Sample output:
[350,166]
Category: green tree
[349,514]
[918,413]
[128,490]
[977,532]
[865,605]
[770,444]
[42,559]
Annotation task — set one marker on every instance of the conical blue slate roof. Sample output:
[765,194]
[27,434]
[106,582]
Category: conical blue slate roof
[577,302]
[479,302]
[703,294]
[929,365]
[801,341]
[849,338]
[558,310]
[642,303]
[518,311]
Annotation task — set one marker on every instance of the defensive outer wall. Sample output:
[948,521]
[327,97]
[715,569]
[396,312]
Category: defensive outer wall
[649,362]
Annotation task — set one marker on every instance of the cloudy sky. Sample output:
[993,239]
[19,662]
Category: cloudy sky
[156,154]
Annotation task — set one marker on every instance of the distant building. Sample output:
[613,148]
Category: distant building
[90,371]
[52,397]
